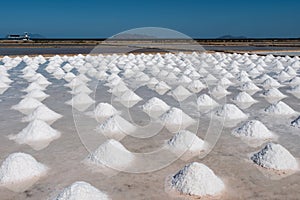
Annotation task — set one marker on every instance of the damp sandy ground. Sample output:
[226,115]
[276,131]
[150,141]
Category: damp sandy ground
[64,156]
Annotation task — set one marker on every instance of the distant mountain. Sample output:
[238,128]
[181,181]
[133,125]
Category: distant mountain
[232,37]
[132,36]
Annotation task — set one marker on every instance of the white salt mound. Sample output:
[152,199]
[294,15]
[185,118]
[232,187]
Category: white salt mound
[296,122]
[279,108]
[180,93]
[243,97]
[129,98]
[36,131]
[37,94]
[155,107]
[27,105]
[104,111]
[273,93]
[116,128]
[185,141]
[19,167]
[230,112]
[275,156]
[205,100]
[111,154]
[175,120]
[196,179]
[81,191]
[253,129]
[81,101]
[43,113]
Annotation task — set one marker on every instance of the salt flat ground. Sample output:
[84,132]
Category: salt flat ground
[229,158]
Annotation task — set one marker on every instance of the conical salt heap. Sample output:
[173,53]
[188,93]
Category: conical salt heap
[155,107]
[206,101]
[279,108]
[275,156]
[253,129]
[175,120]
[180,93]
[111,154]
[116,128]
[20,167]
[27,105]
[36,131]
[230,112]
[37,94]
[129,99]
[81,101]
[243,97]
[196,179]
[81,191]
[186,142]
[43,113]
[104,111]
[273,93]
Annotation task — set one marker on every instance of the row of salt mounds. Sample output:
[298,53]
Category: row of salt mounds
[19,168]
[253,129]
[116,127]
[279,108]
[275,156]
[111,154]
[38,134]
[81,190]
[296,122]
[186,144]
[196,179]
[175,119]
[155,107]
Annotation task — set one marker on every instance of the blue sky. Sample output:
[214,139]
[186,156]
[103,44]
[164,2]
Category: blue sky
[195,18]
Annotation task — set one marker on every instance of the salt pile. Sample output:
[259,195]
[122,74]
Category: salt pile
[33,86]
[185,142]
[206,101]
[175,120]
[104,111]
[219,91]
[3,87]
[116,128]
[273,93]
[129,99]
[249,87]
[27,105]
[196,86]
[81,89]
[161,88]
[81,101]
[43,113]
[230,112]
[180,93]
[275,156]
[296,122]
[270,83]
[253,129]
[36,132]
[20,167]
[243,97]
[37,94]
[155,107]
[295,90]
[196,179]
[81,191]
[280,108]
[111,154]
